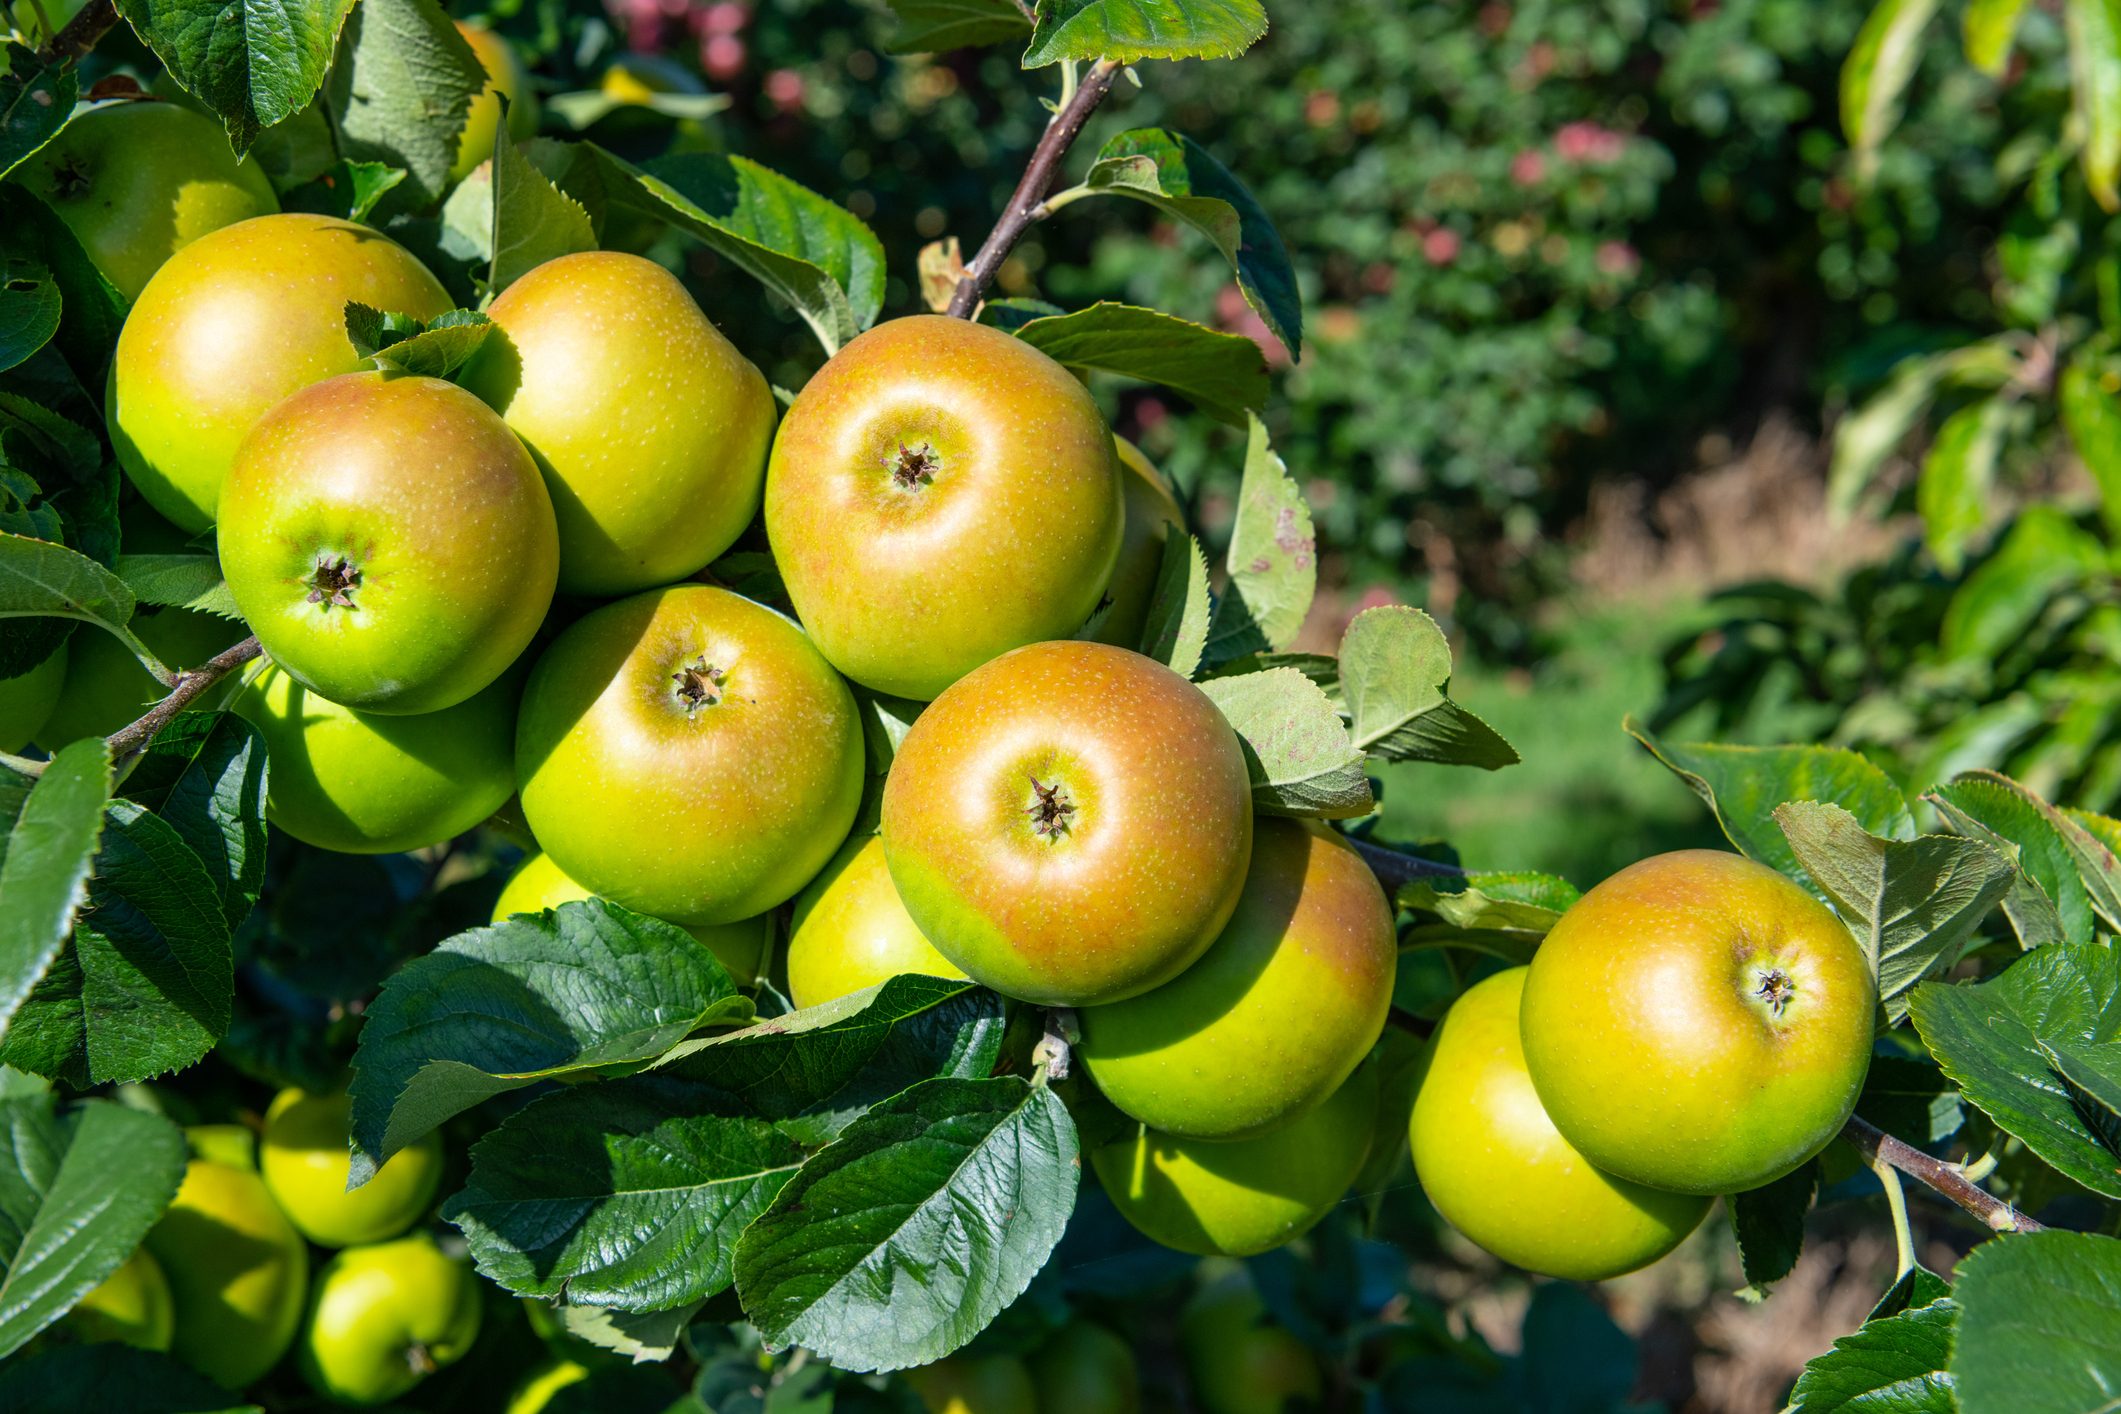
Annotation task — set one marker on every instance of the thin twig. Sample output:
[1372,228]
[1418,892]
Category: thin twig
[189,685]
[1396,870]
[79,34]
[1876,1147]
[1023,207]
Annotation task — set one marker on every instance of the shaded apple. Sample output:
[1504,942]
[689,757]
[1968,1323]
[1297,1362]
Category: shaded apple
[1238,1361]
[131,1306]
[539,884]
[237,1270]
[505,78]
[303,1158]
[1152,515]
[1086,1369]
[384,1317]
[851,930]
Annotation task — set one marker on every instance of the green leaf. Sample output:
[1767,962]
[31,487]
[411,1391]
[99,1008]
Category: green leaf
[400,90]
[900,1241]
[2092,418]
[939,26]
[1769,1225]
[1911,1099]
[1878,68]
[1892,1365]
[1521,902]
[533,220]
[79,1188]
[1395,666]
[2065,863]
[638,1335]
[628,1193]
[1957,491]
[91,307]
[1224,375]
[586,988]
[1914,904]
[53,825]
[29,309]
[1742,785]
[2092,1076]
[2039,1324]
[36,99]
[2095,91]
[409,345]
[1176,175]
[1989,28]
[1866,437]
[1917,1286]
[348,190]
[1175,629]
[1297,748]
[1272,560]
[68,1379]
[204,774]
[1131,30]
[180,581]
[39,579]
[1987,1037]
[2045,554]
[252,63]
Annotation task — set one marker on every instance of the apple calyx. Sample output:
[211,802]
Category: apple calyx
[1049,810]
[914,466]
[699,684]
[333,582]
[420,1360]
[1775,987]
[71,178]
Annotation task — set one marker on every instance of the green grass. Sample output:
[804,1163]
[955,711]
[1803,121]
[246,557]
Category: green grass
[1586,799]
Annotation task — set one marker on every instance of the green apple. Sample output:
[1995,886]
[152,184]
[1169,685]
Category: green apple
[365,783]
[940,493]
[386,1316]
[1497,1169]
[137,181]
[1086,1369]
[304,1159]
[546,1380]
[389,541]
[975,1384]
[1699,1023]
[237,1270]
[1241,1197]
[688,753]
[106,687]
[229,326]
[539,884]
[1152,516]
[27,699]
[1070,824]
[851,931]
[1238,1362]
[505,78]
[650,427]
[1219,1052]
[131,1306]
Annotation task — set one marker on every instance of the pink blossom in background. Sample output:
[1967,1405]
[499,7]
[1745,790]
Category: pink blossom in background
[1233,313]
[1618,258]
[785,88]
[1440,246]
[722,56]
[1527,168]
[1588,142]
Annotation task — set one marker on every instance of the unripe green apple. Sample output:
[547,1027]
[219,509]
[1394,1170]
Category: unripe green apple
[1239,1363]
[688,753]
[1086,1369]
[1699,1023]
[106,687]
[545,1381]
[851,931]
[1152,515]
[1498,1171]
[304,1159]
[138,181]
[386,1316]
[1219,1052]
[389,541]
[505,78]
[975,1384]
[228,327]
[131,1306]
[650,427]
[27,699]
[1238,1198]
[237,1270]
[365,783]
[940,493]
[1069,824]
[539,884]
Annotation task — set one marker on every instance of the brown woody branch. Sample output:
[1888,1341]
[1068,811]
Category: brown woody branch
[79,34]
[1024,203]
[189,685]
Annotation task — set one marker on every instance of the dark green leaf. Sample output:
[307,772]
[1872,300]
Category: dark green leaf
[1296,746]
[1129,30]
[69,1379]
[91,308]
[1893,1365]
[36,99]
[434,349]
[1175,629]
[2067,865]
[1272,560]
[900,1241]
[1911,1099]
[939,26]
[1395,666]
[1917,1286]
[29,308]
[2039,1324]
[252,63]
[39,579]
[2092,1076]
[348,190]
[1493,901]
[204,774]
[53,825]
[400,89]
[1224,375]
[1769,1225]
[533,220]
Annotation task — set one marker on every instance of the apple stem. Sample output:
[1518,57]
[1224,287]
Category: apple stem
[1051,1056]
[79,34]
[130,740]
[1024,203]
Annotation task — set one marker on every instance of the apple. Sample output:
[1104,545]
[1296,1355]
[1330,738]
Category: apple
[1238,1198]
[27,700]
[851,931]
[975,1384]
[1237,1361]
[386,1316]
[1699,1023]
[1497,1169]
[106,687]
[1069,824]
[546,1381]
[650,427]
[688,753]
[1086,1369]
[940,493]
[237,1270]
[389,541]
[131,1306]
[138,181]
[1152,516]
[539,884]
[230,325]
[304,1159]
[365,783]
[505,78]
[1218,1052]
